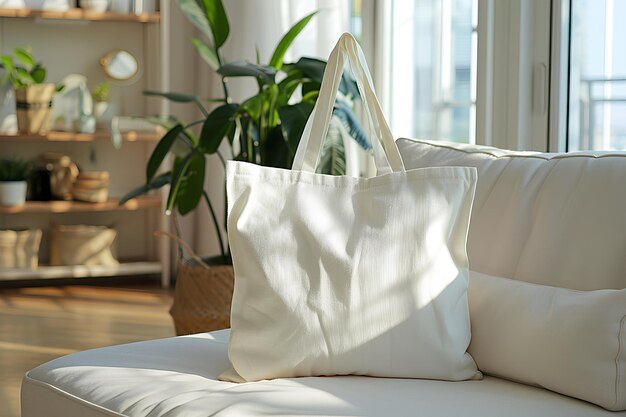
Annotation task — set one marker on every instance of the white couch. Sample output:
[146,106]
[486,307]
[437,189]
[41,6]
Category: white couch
[557,220]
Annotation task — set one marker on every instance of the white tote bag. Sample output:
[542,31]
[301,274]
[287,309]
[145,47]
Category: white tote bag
[342,275]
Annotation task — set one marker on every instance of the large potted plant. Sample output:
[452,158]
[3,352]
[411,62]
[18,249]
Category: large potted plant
[33,96]
[14,174]
[264,129]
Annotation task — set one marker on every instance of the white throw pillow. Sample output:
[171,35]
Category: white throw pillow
[338,275]
[571,342]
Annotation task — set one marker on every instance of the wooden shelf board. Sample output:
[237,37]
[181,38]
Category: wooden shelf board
[132,136]
[80,14]
[139,203]
[82,271]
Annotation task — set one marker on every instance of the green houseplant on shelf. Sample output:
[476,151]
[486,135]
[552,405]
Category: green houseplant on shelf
[33,96]
[264,129]
[14,173]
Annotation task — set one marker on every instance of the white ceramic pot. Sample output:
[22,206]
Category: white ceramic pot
[12,193]
[99,113]
[95,5]
[52,5]
[121,6]
[12,4]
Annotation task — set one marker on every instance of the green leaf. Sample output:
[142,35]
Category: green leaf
[275,151]
[7,62]
[344,113]
[348,86]
[207,54]
[161,150]
[192,185]
[311,96]
[279,53]
[216,127]
[293,119]
[218,21]
[272,114]
[333,157]
[311,67]
[156,183]
[314,69]
[194,13]
[25,58]
[178,173]
[309,86]
[254,105]
[288,86]
[248,69]
[165,121]
[39,74]
[21,78]
[176,97]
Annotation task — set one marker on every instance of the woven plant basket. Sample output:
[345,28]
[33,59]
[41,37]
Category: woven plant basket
[202,298]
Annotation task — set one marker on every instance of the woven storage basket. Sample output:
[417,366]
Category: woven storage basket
[202,298]
[83,245]
[19,248]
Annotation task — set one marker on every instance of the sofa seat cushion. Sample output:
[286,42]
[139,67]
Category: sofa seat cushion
[178,377]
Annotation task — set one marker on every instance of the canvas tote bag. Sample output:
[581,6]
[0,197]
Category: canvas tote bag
[342,275]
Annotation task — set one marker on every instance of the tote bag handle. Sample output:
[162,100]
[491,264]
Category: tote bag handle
[386,155]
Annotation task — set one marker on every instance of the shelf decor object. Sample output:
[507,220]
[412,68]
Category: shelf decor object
[19,249]
[13,175]
[33,96]
[33,107]
[92,187]
[99,6]
[119,65]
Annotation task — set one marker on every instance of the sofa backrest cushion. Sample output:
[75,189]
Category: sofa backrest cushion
[551,219]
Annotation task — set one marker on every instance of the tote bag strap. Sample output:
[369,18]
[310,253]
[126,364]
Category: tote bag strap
[386,155]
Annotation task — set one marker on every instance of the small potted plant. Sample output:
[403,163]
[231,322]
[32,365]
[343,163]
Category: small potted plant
[33,96]
[14,173]
[101,95]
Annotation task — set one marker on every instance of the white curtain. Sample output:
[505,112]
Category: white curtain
[263,23]
[258,23]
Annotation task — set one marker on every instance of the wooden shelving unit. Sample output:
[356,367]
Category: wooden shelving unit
[133,136]
[147,37]
[139,203]
[80,14]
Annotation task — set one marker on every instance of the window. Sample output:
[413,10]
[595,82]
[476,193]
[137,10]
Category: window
[597,76]
[552,74]
[432,69]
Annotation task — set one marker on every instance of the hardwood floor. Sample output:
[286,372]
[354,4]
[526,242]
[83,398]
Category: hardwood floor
[40,324]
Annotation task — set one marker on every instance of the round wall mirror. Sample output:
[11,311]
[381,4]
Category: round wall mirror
[120,65]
